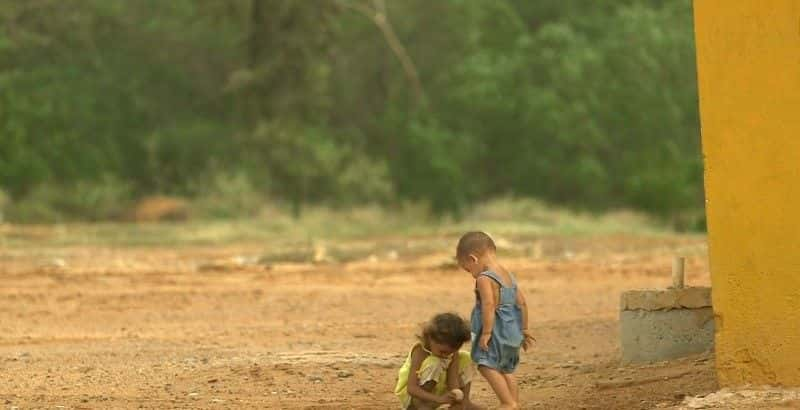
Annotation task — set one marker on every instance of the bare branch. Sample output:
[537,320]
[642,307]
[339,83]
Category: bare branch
[380,18]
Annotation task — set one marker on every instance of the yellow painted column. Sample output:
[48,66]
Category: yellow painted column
[748,62]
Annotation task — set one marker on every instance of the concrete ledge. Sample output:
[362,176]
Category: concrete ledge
[666,299]
[663,324]
[648,336]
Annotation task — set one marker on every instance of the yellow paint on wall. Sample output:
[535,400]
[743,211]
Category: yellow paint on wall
[748,61]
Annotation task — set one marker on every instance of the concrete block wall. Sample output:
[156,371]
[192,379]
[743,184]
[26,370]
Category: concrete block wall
[665,324]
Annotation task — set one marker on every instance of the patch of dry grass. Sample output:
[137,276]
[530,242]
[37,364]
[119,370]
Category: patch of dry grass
[511,217]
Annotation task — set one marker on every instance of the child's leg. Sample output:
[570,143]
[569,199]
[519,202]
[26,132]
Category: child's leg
[417,404]
[512,386]
[421,406]
[467,404]
[454,382]
[500,386]
[459,376]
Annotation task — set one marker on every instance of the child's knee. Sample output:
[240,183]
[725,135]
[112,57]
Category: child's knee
[464,360]
[417,404]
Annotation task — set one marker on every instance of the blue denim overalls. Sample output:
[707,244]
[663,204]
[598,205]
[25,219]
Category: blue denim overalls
[503,353]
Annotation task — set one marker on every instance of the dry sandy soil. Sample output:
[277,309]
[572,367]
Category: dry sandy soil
[220,327]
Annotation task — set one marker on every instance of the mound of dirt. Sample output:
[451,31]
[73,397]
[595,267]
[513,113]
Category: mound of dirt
[765,397]
[160,208]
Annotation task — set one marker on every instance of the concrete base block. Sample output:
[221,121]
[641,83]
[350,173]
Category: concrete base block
[649,336]
[656,324]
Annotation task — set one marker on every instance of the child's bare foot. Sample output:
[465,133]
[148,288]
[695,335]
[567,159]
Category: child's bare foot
[512,406]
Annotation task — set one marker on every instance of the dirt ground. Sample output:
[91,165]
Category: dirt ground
[223,327]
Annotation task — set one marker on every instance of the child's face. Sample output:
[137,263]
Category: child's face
[442,350]
[471,264]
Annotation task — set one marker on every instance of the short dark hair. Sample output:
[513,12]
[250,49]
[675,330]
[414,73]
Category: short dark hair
[476,243]
[447,328]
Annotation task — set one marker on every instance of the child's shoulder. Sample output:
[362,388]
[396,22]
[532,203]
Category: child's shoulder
[418,347]
[502,277]
[418,351]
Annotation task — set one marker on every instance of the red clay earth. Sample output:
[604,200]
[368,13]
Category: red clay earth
[210,327]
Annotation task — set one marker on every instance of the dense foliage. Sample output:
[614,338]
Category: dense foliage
[589,104]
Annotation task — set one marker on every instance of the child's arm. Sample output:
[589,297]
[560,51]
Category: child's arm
[523,307]
[453,376]
[413,387]
[488,306]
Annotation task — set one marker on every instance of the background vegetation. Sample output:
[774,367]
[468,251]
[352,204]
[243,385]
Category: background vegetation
[342,103]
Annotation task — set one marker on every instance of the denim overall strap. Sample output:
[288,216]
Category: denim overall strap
[497,278]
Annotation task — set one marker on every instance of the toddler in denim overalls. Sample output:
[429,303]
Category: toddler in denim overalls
[506,334]
[499,319]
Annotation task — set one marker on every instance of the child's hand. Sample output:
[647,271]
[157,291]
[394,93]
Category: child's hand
[483,342]
[528,340]
[446,399]
[457,395]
